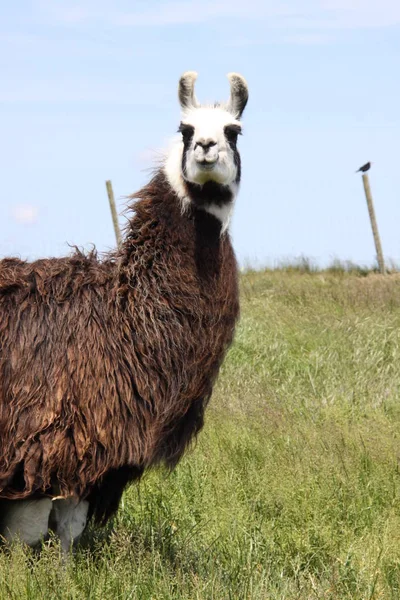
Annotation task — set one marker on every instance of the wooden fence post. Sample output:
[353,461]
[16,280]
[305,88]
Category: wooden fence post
[374,225]
[114,215]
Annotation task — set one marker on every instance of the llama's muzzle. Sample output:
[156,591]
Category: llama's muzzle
[206,156]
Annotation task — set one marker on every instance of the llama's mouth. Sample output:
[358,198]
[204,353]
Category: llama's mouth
[206,165]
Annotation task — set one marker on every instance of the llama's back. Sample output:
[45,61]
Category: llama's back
[46,307]
[51,278]
[55,356]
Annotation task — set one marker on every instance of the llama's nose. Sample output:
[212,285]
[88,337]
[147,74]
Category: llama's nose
[205,144]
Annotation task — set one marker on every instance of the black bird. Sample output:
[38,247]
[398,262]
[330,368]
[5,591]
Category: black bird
[364,168]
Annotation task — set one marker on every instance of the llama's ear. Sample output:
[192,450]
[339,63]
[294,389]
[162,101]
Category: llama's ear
[239,94]
[187,97]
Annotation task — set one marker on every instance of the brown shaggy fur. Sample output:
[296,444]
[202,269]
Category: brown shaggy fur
[106,366]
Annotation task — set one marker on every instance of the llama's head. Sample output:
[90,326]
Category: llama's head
[203,166]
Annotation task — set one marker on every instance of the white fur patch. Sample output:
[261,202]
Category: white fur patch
[173,170]
[27,520]
[209,119]
[222,213]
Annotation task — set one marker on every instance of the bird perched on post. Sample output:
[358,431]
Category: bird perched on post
[364,168]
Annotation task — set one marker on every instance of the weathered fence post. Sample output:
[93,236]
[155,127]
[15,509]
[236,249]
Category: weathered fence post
[374,225]
[114,215]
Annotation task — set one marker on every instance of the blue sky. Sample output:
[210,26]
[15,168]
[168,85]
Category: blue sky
[89,92]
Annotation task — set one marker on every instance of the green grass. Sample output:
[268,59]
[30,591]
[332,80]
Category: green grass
[293,488]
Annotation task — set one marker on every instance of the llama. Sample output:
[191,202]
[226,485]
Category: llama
[106,366]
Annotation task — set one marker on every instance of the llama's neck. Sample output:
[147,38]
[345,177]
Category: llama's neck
[175,243]
[216,199]
[178,290]
[158,209]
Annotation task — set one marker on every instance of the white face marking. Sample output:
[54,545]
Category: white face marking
[209,157]
[27,520]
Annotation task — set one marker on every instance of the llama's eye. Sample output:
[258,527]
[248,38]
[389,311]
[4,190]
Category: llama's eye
[231,133]
[187,131]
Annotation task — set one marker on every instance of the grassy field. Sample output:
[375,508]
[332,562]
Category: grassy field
[293,488]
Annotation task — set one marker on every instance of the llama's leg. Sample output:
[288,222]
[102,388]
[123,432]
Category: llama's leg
[27,520]
[68,519]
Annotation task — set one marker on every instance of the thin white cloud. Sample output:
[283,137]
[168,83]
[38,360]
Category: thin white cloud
[361,13]
[308,39]
[316,15]
[98,47]
[66,12]
[79,89]
[25,213]
[158,12]
[181,13]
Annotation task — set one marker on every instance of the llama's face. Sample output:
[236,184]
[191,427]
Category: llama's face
[203,166]
[209,146]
